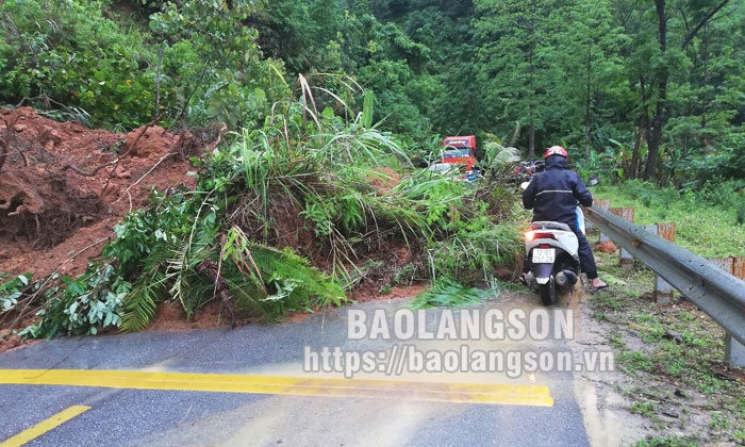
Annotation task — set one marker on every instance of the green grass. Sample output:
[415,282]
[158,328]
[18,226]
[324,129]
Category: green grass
[447,293]
[672,441]
[704,229]
[646,409]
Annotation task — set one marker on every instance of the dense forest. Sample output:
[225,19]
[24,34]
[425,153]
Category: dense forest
[332,110]
[649,89]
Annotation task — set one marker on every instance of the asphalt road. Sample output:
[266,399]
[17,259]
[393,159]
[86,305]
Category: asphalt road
[258,386]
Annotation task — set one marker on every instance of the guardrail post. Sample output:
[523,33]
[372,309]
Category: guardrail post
[734,352]
[738,268]
[725,264]
[603,204]
[663,291]
[666,231]
[626,214]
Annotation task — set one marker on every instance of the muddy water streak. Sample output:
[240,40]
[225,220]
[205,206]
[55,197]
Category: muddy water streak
[603,410]
[605,427]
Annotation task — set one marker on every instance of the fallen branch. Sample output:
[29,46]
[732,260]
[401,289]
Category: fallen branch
[129,150]
[3,153]
[224,128]
[24,313]
[148,172]
[211,271]
[79,171]
[131,147]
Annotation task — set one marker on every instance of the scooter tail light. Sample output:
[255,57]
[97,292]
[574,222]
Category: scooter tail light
[533,235]
[544,236]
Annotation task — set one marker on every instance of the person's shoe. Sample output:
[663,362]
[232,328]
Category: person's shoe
[598,284]
[524,278]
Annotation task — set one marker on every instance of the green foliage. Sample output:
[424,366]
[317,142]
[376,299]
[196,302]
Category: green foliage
[193,65]
[71,52]
[475,251]
[12,290]
[646,409]
[212,66]
[448,293]
[302,172]
[160,248]
[515,66]
[585,74]
[632,361]
[608,163]
[83,305]
[17,294]
[439,198]
[287,281]
[306,174]
[669,441]
[740,210]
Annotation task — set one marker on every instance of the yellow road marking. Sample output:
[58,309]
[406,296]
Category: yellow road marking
[44,426]
[299,386]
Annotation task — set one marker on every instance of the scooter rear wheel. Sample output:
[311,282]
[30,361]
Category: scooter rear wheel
[549,292]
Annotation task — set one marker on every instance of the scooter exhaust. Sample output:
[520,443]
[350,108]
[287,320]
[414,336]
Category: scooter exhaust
[566,278]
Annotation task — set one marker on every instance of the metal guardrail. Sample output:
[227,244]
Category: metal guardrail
[720,295]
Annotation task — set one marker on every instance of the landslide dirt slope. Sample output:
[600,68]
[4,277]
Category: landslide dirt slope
[54,215]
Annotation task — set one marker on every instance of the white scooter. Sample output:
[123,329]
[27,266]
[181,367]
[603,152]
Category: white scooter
[551,248]
[552,251]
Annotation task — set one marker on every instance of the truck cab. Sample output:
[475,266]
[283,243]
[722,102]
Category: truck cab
[460,154]
[460,150]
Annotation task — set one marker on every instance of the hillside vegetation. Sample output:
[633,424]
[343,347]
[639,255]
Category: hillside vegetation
[309,123]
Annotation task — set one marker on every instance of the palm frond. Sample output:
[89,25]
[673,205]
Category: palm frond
[141,303]
[272,271]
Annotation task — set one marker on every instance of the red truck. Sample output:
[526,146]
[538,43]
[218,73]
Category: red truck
[460,151]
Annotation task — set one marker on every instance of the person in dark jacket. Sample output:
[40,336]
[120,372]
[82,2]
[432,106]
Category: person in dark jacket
[553,196]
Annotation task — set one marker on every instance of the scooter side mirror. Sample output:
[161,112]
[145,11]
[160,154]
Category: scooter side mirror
[594,180]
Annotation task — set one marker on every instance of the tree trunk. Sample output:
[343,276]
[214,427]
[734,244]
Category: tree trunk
[642,126]
[587,133]
[531,139]
[654,137]
[636,162]
[588,100]
[531,97]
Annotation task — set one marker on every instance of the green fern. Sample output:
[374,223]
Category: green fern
[448,293]
[140,304]
[280,280]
